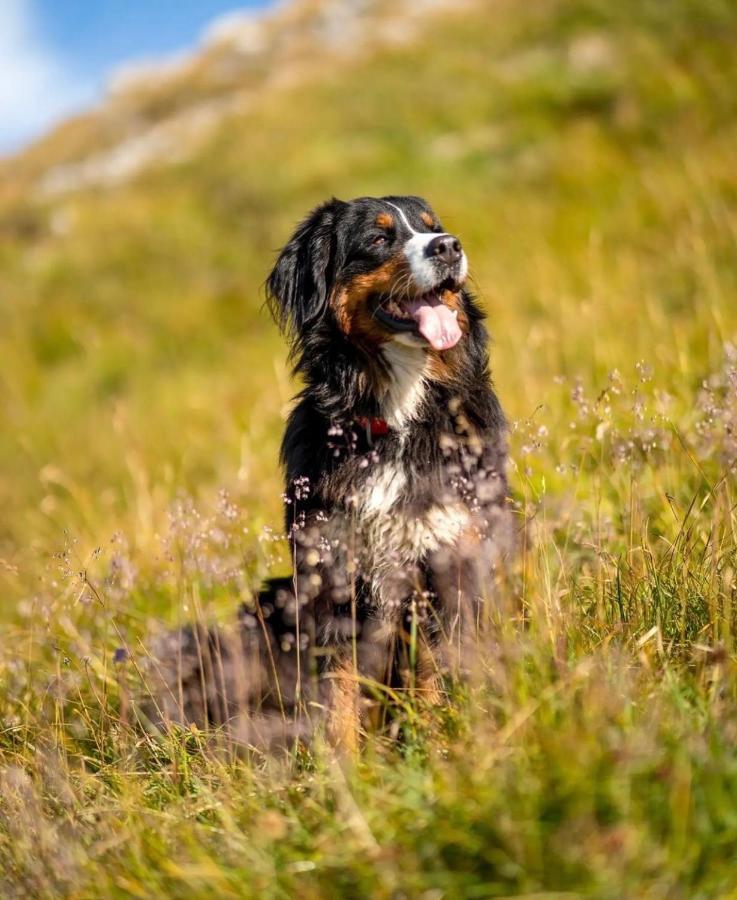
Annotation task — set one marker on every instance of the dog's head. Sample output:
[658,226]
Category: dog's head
[378,269]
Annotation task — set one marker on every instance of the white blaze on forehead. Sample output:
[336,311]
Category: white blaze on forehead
[421,267]
[403,216]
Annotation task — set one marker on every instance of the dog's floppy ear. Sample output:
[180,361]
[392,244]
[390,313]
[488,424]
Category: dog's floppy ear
[299,285]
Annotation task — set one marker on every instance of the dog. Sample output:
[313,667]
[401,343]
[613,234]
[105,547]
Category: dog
[395,452]
[395,480]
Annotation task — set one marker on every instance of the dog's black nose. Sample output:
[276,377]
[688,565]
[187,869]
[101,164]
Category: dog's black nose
[445,247]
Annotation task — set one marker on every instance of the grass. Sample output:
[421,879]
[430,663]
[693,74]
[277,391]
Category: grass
[585,153]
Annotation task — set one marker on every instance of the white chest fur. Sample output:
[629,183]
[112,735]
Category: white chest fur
[394,532]
[405,392]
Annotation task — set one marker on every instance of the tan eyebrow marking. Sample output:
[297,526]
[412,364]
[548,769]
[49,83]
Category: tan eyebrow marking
[385,220]
[427,219]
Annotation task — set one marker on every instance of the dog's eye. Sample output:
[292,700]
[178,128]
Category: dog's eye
[379,240]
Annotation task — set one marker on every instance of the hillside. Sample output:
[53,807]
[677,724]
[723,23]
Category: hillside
[584,151]
[161,111]
[136,357]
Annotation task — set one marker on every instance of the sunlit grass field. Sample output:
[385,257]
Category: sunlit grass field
[586,152]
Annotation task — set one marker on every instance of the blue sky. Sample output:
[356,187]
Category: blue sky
[55,54]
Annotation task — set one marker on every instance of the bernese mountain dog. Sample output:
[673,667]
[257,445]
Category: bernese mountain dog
[394,456]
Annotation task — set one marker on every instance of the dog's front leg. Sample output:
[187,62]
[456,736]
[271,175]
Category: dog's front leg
[459,583]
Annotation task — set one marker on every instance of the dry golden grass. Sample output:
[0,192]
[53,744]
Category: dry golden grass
[585,153]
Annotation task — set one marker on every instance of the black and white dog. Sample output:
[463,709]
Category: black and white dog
[395,451]
[395,475]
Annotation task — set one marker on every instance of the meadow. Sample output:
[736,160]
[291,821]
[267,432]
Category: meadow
[586,152]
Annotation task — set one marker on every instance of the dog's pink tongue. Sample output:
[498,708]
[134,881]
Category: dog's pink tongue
[437,324]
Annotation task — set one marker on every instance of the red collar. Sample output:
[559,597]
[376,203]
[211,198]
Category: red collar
[373,426]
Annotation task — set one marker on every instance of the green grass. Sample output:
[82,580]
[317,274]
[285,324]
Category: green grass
[585,153]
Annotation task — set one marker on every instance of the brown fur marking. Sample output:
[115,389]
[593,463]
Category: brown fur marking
[344,720]
[385,220]
[351,302]
[427,219]
[428,680]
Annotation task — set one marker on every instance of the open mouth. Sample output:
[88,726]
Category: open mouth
[425,315]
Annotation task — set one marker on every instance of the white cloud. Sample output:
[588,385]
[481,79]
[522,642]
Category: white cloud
[36,88]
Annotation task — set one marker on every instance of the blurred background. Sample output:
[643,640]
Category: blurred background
[157,155]
[60,58]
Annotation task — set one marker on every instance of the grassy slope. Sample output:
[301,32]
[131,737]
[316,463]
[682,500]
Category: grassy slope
[585,152]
